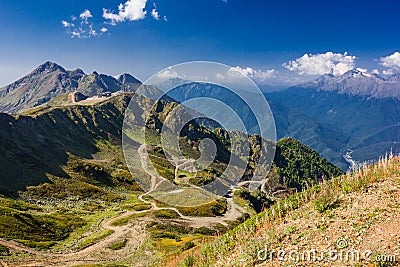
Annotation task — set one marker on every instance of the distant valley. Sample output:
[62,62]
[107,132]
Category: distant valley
[71,198]
[361,109]
[354,114]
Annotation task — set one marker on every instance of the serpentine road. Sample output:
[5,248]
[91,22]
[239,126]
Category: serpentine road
[135,234]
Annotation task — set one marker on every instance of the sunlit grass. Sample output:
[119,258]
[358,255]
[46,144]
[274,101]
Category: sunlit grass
[324,196]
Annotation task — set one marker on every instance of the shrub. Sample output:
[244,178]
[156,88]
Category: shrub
[189,261]
[118,245]
[188,245]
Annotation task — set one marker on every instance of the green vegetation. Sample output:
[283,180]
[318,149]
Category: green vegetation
[188,245]
[141,207]
[102,265]
[126,219]
[88,241]
[81,173]
[256,199]
[4,251]
[167,230]
[166,214]
[189,261]
[39,230]
[243,238]
[326,200]
[214,208]
[118,245]
[299,166]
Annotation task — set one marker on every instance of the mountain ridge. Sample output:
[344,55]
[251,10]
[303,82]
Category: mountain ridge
[358,83]
[50,80]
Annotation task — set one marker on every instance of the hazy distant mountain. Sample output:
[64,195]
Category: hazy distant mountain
[269,88]
[355,82]
[394,78]
[363,107]
[357,111]
[289,122]
[50,80]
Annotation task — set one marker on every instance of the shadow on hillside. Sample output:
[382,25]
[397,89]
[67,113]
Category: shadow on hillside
[32,147]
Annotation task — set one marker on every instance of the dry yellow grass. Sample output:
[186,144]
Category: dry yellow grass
[356,212]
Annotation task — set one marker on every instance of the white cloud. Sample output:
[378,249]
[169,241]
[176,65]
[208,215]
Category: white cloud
[375,71]
[392,62]
[67,24]
[238,72]
[82,27]
[264,75]
[388,72]
[131,10]
[319,64]
[165,18]
[154,12]
[170,74]
[362,70]
[219,76]
[92,32]
[75,34]
[86,14]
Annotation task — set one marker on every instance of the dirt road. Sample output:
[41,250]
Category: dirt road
[134,233]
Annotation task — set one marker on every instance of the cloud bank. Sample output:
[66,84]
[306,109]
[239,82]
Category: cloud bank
[259,75]
[392,62]
[82,27]
[131,10]
[319,64]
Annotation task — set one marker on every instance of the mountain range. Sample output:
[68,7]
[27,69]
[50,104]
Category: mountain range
[69,195]
[50,80]
[349,118]
[362,108]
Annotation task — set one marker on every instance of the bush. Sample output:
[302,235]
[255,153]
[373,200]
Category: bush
[188,245]
[4,250]
[325,202]
[189,261]
[118,245]
[166,214]
[203,231]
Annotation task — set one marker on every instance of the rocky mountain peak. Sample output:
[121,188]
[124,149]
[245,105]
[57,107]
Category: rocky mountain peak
[48,67]
[357,82]
[127,78]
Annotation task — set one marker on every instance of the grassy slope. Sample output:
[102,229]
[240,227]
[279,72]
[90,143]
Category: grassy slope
[295,166]
[68,159]
[41,143]
[359,210]
[30,225]
[75,163]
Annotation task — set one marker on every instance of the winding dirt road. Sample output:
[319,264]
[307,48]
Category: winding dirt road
[96,253]
[134,233]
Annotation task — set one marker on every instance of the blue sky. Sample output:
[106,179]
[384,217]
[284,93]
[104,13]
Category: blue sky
[258,36]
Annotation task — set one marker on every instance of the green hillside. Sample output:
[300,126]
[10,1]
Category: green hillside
[355,213]
[66,183]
